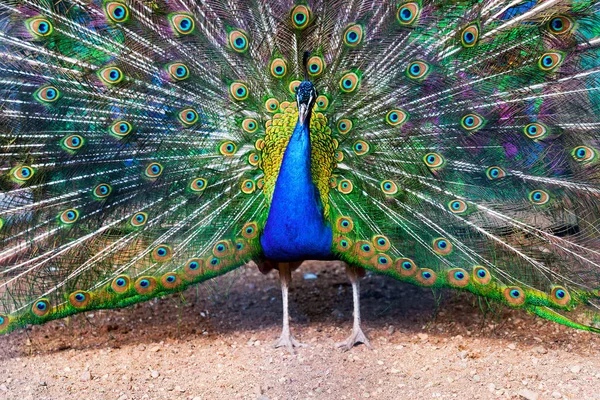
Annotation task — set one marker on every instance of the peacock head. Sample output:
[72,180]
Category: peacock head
[306,94]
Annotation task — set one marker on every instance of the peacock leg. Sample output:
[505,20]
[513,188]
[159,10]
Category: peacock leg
[286,339]
[357,335]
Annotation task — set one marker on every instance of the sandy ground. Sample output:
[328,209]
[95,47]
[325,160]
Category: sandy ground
[215,343]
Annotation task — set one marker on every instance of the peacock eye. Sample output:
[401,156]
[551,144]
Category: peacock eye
[353,35]
[239,91]
[182,23]
[69,216]
[408,13]
[514,295]
[178,71]
[405,266]
[188,116]
[272,105]
[434,160]
[560,25]
[102,191]
[457,206]
[153,170]
[162,253]
[301,16]
[539,197]
[389,187]
[345,186]
[535,130]
[111,75]
[227,148]
[139,219]
[238,41]
[120,129]
[249,125]
[560,295]
[40,26]
[278,68]
[116,11]
[248,186]
[47,94]
[23,173]
[442,246]
[344,126]
[469,36]
[250,230]
[396,117]
[418,70]
[471,122]
[349,82]
[315,66]
[550,61]
[322,103]
[72,142]
[381,243]
[198,184]
[361,147]
[494,173]
[41,307]
[344,224]
[583,154]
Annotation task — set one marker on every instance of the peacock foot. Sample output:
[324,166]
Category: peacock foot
[288,341]
[355,338]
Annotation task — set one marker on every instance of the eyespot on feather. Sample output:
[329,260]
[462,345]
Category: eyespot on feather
[193,268]
[481,275]
[349,82]
[560,295]
[69,216]
[345,186]
[198,184]
[250,230]
[153,170]
[111,75]
[388,187]
[188,116]
[494,173]
[238,41]
[434,160]
[272,105]
[322,103]
[442,246]
[293,86]
[249,125]
[72,142]
[41,308]
[145,285]
[4,322]
[353,35]
[162,253]
[344,126]
[343,244]
[458,277]
[139,219]
[426,277]
[364,249]
[120,129]
[170,280]
[514,295]
[301,17]
[381,243]
[408,13]
[47,94]
[178,71]
[344,224]
[550,61]
[80,299]
[381,261]
[535,130]
[418,70]
[182,23]
[405,267]
[102,191]
[472,122]
[248,186]
[396,117]
[583,154]
[39,26]
[361,147]
[539,197]
[227,148]
[22,173]
[560,25]
[469,36]
[278,68]
[457,206]
[120,284]
[239,91]
[315,66]
[116,11]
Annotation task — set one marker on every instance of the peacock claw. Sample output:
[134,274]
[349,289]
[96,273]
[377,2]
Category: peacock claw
[289,342]
[355,338]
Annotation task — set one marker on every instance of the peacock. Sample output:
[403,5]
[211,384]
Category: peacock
[150,145]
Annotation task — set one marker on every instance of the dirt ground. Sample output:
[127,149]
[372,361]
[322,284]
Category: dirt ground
[215,343]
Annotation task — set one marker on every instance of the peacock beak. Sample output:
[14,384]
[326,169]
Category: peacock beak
[303,111]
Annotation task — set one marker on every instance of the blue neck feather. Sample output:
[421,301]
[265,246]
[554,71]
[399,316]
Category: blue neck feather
[295,228]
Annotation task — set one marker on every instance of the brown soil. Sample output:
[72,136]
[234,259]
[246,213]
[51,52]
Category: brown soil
[216,345]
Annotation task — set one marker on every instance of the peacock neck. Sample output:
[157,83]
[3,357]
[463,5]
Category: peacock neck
[296,228]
